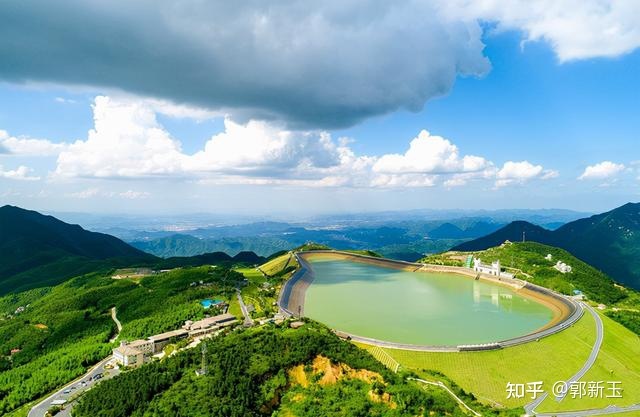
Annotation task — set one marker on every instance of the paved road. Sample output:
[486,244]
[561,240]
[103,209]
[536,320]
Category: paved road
[592,357]
[75,388]
[114,317]
[530,408]
[248,321]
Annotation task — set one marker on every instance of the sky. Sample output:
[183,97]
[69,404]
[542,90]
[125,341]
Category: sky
[342,106]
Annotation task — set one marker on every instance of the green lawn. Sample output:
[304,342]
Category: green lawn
[619,360]
[554,358]
[276,265]
[234,308]
[252,274]
[486,374]
[253,293]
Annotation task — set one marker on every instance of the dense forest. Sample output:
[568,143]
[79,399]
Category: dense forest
[272,370]
[49,336]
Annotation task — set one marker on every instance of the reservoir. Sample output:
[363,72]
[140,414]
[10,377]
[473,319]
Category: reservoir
[420,308]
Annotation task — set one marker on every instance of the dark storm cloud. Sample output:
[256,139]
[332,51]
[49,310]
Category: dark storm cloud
[309,64]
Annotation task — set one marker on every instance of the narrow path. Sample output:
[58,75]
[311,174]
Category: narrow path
[446,388]
[114,317]
[248,321]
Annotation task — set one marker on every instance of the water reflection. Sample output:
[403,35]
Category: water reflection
[497,296]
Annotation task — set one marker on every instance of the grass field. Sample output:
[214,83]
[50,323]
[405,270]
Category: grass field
[255,294]
[278,264]
[554,358]
[619,360]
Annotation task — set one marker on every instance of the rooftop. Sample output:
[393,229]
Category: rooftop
[168,335]
[127,350]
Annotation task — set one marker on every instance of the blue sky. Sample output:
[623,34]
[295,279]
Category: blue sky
[549,124]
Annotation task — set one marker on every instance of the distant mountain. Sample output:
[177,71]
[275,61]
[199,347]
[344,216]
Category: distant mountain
[212,258]
[188,245]
[514,232]
[249,257]
[452,231]
[38,250]
[447,230]
[609,241]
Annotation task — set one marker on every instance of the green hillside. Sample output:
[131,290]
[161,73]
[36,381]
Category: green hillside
[38,250]
[271,371]
[609,241]
[58,332]
[527,261]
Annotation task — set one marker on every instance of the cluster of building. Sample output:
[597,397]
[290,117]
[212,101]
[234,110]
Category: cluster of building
[490,269]
[137,352]
[562,267]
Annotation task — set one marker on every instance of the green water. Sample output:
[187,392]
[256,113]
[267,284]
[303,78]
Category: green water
[420,308]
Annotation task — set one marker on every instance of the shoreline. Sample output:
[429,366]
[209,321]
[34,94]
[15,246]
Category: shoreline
[564,311]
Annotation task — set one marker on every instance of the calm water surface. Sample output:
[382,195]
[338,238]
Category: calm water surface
[421,308]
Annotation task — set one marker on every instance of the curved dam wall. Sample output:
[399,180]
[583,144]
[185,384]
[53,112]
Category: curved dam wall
[566,311]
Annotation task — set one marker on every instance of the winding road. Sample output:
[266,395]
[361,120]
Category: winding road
[114,317]
[612,409]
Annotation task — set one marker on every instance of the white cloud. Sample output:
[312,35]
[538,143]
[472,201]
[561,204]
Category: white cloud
[428,154]
[404,180]
[260,148]
[602,170]
[92,192]
[63,100]
[84,194]
[134,195]
[25,146]
[21,173]
[521,172]
[575,29]
[128,142]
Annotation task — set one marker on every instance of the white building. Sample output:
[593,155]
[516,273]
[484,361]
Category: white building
[209,324]
[145,346]
[562,267]
[493,269]
[548,257]
[126,355]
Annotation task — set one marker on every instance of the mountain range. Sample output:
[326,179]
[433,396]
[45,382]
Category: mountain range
[609,241]
[39,250]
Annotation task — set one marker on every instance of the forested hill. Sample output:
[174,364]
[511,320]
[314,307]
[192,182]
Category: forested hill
[272,371]
[609,241]
[38,250]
